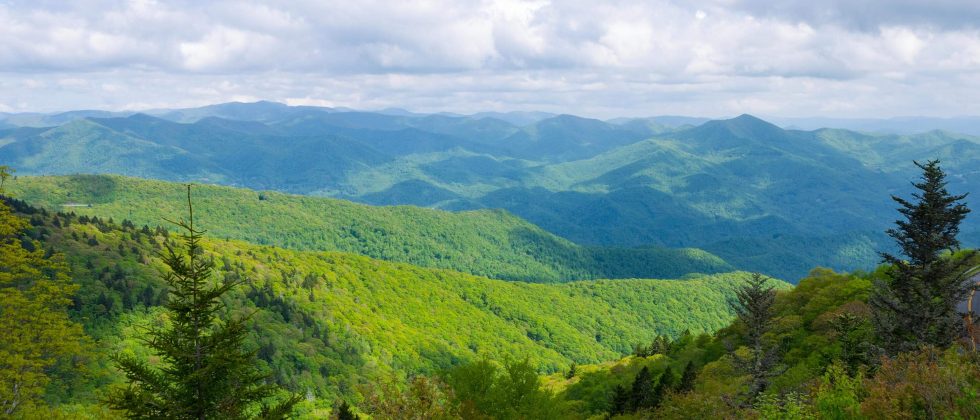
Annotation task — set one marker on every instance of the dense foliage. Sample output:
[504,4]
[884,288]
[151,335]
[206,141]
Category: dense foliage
[487,242]
[38,338]
[327,323]
[203,370]
[824,369]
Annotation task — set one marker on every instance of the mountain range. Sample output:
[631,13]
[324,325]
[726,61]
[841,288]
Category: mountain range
[758,196]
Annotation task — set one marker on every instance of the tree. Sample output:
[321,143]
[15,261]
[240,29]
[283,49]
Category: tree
[852,334]
[620,400]
[641,393]
[5,173]
[344,412]
[666,383]
[571,371]
[754,311]
[35,293]
[423,398]
[687,378]
[916,304]
[514,391]
[205,370]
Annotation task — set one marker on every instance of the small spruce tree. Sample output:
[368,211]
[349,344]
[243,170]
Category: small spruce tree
[205,370]
[916,304]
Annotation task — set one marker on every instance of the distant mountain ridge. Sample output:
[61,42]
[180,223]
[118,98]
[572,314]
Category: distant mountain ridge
[742,188]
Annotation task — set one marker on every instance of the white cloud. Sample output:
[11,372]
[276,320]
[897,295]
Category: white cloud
[624,57]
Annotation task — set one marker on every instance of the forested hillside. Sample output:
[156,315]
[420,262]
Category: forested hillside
[326,323]
[893,343]
[793,199]
[492,243]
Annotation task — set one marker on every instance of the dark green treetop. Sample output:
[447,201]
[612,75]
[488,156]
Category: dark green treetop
[916,304]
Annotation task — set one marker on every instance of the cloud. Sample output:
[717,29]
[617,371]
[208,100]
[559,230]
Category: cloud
[621,57]
[866,15]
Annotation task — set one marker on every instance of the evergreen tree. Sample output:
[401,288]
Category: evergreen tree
[344,412]
[571,371]
[687,378]
[641,393]
[667,382]
[916,304]
[205,372]
[754,310]
[852,334]
[620,400]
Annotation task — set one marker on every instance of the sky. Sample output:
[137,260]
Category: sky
[711,58]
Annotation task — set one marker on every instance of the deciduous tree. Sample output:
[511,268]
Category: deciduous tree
[35,293]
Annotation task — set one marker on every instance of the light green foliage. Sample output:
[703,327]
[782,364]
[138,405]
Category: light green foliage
[493,243]
[5,173]
[791,406]
[423,398]
[326,322]
[37,335]
[511,391]
[838,396]
[203,370]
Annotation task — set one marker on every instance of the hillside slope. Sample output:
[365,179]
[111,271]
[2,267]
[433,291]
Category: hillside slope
[493,243]
[815,198]
[324,322]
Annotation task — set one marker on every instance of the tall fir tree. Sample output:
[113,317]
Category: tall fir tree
[916,304]
[753,308]
[205,371]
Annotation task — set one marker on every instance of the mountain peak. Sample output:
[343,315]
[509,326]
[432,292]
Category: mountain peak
[746,125]
[742,128]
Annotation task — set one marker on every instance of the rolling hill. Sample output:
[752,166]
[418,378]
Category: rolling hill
[493,243]
[763,197]
[326,322]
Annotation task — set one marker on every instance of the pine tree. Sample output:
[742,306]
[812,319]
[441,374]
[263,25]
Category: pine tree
[641,393]
[916,304]
[344,412]
[687,378]
[205,372]
[620,400]
[754,310]
[667,382]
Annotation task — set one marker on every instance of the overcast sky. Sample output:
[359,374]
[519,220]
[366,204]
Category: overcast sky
[840,58]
